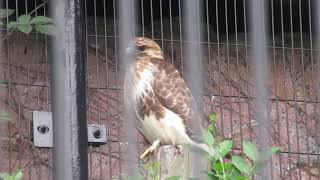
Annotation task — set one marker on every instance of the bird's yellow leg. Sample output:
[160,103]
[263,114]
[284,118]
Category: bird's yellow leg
[153,147]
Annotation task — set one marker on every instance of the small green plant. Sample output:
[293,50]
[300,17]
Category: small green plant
[15,176]
[239,167]
[26,23]
[152,169]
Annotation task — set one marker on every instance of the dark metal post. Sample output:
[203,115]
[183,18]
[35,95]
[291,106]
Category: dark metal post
[68,92]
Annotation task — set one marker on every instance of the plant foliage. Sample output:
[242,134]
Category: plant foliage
[26,23]
[15,176]
[238,167]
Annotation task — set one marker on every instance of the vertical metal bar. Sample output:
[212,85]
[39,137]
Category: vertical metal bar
[219,68]
[276,85]
[127,33]
[284,86]
[259,60]
[107,83]
[161,24]
[228,67]
[247,65]
[37,79]
[151,14]
[316,26]
[238,69]
[192,11]
[97,79]
[304,84]
[209,55]
[116,79]
[313,93]
[142,17]
[2,59]
[87,82]
[46,87]
[30,155]
[180,37]
[294,86]
[70,158]
[171,36]
[19,92]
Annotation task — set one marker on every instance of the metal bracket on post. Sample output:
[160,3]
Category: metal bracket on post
[97,134]
[42,129]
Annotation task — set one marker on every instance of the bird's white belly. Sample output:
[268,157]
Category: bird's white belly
[169,130]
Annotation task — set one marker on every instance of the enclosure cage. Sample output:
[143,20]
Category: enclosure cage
[227,75]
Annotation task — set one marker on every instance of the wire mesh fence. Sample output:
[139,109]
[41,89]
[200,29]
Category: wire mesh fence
[228,81]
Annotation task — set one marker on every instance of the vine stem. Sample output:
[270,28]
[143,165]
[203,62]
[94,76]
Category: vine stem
[223,170]
[35,9]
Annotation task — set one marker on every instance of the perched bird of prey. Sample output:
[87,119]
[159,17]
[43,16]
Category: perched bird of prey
[159,96]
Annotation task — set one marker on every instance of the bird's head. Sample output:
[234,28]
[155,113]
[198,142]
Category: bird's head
[142,46]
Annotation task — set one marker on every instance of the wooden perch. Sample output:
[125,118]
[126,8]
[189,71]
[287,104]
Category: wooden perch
[176,162]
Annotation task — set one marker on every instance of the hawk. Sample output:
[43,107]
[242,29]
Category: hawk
[159,97]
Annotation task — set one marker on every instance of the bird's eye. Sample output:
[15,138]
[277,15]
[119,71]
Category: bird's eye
[142,48]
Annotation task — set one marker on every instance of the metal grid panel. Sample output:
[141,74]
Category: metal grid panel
[292,82]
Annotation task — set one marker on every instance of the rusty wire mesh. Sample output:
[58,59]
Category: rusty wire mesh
[293,81]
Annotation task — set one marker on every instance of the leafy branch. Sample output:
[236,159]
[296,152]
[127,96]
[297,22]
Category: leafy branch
[15,176]
[26,23]
[239,167]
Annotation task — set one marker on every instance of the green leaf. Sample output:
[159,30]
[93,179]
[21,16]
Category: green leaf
[173,178]
[276,149]
[24,19]
[250,150]
[25,28]
[18,175]
[207,137]
[211,127]
[4,117]
[225,147]
[45,29]
[6,12]
[12,25]
[233,172]
[218,167]
[213,117]
[241,164]
[210,174]
[241,178]
[5,176]
[42,20]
